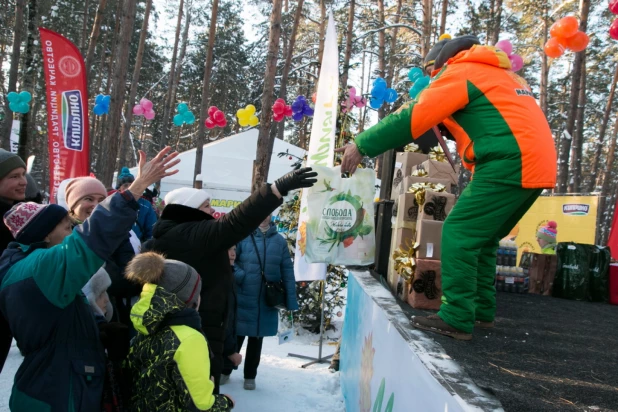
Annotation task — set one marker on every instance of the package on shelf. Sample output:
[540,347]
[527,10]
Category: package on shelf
[436,170]
[429,239]
[507,253]
[404,163]
[511,279]
[401,240]
[425,291]
[405,211]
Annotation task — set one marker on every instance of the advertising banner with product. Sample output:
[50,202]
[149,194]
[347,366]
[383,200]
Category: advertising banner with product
[576,218]
[67,109]
[321,144]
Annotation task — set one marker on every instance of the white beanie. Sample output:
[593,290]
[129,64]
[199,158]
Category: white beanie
[187,196]
[62,192]
[96,286]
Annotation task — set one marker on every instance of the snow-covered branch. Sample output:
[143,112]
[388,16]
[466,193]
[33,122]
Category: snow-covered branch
[388,26]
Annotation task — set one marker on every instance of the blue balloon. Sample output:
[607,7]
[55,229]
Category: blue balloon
[376,103]
[415,73]
[378,92]
[307,111]
[415,90]
[99,110]
[24,107]
[25,96]
[423,82]
[107,99]
[182,108]
[390,96]
[13,97]
[301,98]
[189,117]
[178,120]
[297,116]
[297,106]
[379,82]
[98,99]
[14,107]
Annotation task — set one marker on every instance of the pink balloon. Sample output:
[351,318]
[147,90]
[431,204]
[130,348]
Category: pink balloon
[149,114]
[138,110]
[506,46]
[352,93]
[146,104]
[516,62]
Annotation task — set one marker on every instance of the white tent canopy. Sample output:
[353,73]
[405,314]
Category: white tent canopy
[227,167]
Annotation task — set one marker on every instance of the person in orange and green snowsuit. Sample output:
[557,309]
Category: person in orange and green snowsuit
[503,137]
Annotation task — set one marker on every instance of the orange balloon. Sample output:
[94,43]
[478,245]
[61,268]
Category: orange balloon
[553,48]
[578,42]
[314,97]
[565,27]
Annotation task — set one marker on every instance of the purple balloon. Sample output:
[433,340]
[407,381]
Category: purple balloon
[307,110]
[301,98]
[298,116]
[297,106]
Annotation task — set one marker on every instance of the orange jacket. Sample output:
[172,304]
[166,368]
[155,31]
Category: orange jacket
[501,132]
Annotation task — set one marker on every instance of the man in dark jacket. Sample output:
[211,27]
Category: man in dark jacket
[187,232]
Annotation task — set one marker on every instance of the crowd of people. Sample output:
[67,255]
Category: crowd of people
[115,308]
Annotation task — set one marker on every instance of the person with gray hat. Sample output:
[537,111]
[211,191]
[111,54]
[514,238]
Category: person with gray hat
[169,360]
[12,190]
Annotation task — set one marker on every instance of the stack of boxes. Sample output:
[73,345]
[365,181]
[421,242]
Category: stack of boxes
[422,192]
[509,277]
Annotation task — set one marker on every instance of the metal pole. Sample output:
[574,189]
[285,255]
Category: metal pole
[321,318]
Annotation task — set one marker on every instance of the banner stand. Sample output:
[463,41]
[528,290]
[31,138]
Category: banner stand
[319,359]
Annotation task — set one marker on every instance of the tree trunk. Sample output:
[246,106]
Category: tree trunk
[497,22]
[94,36]
[544,62]
[609,166]
[201,138]
[578,137]
[393,46]
[348,45]
[125,150]
[167,110]
[443,17]
[118,92]
[426,40]
[114,45]
[28,80]
[565,146]
[288,60]
[265,143]
[594,169]
[5,136]
[381,52]
[82,38]
[322,34]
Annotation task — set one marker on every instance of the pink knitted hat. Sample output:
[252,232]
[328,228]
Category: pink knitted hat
[30,222]
[549,232]
[81,187]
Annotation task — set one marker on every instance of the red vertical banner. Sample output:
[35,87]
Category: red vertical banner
[612,242]
[67,109]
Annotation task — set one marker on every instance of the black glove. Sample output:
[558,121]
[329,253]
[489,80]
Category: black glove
[115,339]
[296,179]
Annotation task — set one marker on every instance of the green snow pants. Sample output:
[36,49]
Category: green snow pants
[484,214]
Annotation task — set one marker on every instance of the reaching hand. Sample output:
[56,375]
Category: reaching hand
[154,170]
[295,180]
[351,158]
[236,358]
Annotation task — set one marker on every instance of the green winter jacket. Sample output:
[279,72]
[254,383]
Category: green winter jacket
[169,360]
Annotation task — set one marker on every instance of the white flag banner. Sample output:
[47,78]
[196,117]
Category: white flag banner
[15,136]
[321,145]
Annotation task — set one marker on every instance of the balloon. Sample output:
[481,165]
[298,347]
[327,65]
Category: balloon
[379,82]
[277,117]
[553,48]
[390,96]
[297,116]
[415,90]
[375,103]
[302,98]
[506,46]
[308,111]
[12,97]
[25,96]
[178,120]
[146,104]
[14,107]
[222,123]
[516,62]
[219,116]
[98,110]
[288,111]
[107,99]
[613,30]
[378,91]
[314,97]
[250,110]
[297,106]
[243,122]
[241,113]
[209,123]
[279,107]
[149,114]
[182,108]
[613,6]
[98,99]
[212,110]
[415,73]
[253,121]
[578,42]
[189,117]
[565,27]
[423,82]
[138,110]
[25,108]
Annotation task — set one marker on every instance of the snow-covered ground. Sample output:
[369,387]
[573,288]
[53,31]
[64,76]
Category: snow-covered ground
[282,385]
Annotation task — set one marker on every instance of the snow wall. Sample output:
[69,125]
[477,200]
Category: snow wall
[387,365]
